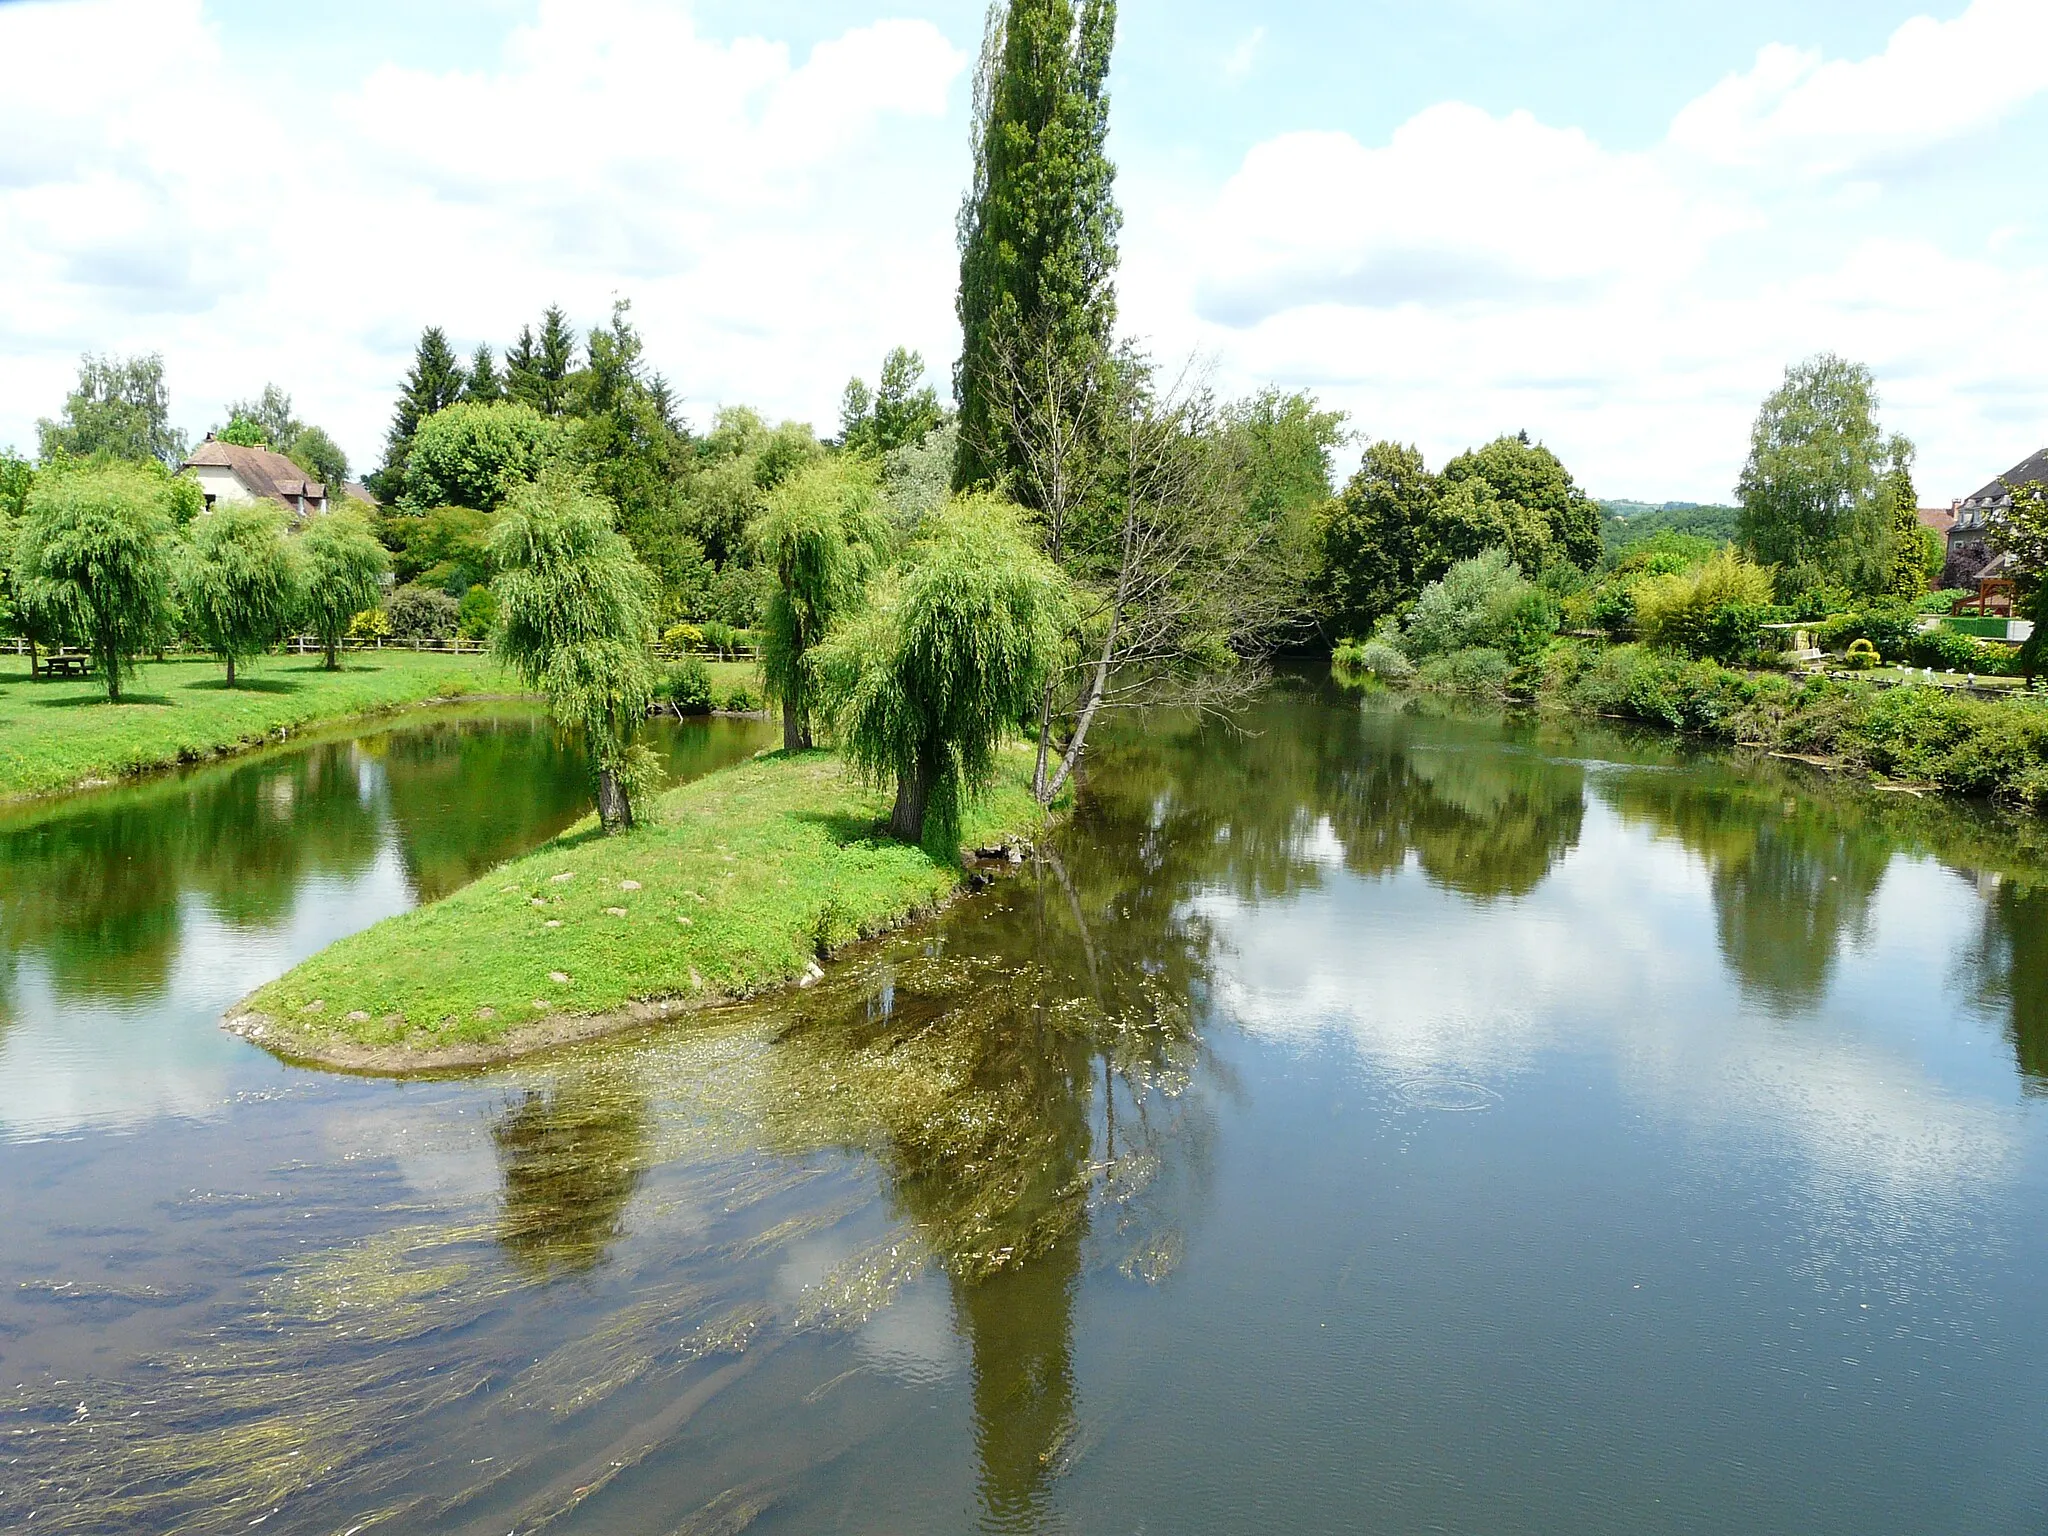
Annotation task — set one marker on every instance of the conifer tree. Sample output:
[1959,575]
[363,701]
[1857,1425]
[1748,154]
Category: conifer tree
[482,384]
[1039,226]
[434,383]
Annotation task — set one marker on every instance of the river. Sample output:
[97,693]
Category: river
[1364,1116]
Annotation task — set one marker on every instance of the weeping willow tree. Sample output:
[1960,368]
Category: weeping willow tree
[922,685]
[824,535]
[576,618]
[93,562]
[239,582]
[345,568]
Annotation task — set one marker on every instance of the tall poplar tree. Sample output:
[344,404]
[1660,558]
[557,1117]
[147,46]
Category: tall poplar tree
[1039,225]
[434,383]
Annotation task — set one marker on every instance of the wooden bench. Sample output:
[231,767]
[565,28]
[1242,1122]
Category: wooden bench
[67,664]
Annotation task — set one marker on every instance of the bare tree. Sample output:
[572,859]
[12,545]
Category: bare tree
[1182,591]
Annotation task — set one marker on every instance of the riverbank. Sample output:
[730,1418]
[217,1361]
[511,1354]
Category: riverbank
[743,881]
[58,734]
[1913,736]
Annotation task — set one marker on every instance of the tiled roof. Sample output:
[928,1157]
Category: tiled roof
[1996,493]
[1940,519]
[263,472]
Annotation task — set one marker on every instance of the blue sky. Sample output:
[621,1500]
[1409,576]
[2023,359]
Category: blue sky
[1610,224]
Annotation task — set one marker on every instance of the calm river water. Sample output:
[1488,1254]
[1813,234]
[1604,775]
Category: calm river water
[1370,1119]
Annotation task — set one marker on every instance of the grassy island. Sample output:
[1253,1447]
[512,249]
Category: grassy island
[740,883]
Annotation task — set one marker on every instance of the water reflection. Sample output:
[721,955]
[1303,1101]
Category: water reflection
[571,1156]
[2004,973]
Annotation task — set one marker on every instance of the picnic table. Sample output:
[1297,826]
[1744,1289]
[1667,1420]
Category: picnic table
[67,664]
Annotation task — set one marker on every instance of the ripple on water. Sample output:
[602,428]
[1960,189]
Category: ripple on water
[1446,1093]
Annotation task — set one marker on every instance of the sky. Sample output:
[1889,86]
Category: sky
[1610,224]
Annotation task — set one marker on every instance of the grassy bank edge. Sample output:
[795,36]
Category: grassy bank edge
[1908,736]
[789,846]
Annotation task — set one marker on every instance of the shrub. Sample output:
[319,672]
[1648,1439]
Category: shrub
[1614,608]
[1637,683]
[1683,610]
[720,637]
[370,624]
[1889,627]
[1476,669]
[476,613]
[1947,650]
[1483,602]
[687,686]
[421,613]
[683,637]
[1384,660]
[1861,656]
[741,699]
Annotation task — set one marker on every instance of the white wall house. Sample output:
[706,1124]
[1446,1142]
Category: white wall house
[228,472]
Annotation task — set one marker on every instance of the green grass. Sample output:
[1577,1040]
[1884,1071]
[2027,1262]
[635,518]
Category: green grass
[54,734]
[58,733]
[747,876]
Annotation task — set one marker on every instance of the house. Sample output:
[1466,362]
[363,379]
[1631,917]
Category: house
[228,472]
[1970,555]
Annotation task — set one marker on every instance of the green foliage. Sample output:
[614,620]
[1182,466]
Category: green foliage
[1634,682]
[94,562]
[447,547]
[1484,602]
[432,384]
[1890,626]
[1480,669]
[824,535]
[1624,524]
[922,686]
[1714,609]
[1280,450]
[476,614]
[1397,527]
[687,686]
[239,582]
[482,383]
[576,620]
[475,454]
[119,410]
[1861,656]
[243,433]
[1814,496]
[899,412]
[321,457]
[740,699]
[344,574]
[421,613]
[917,478]
[537,371]
[1039,225]
[1554,520]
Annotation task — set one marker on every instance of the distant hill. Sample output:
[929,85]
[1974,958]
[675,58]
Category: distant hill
[1623,523]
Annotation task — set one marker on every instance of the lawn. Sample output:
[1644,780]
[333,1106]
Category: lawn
[58,733]
[745,878]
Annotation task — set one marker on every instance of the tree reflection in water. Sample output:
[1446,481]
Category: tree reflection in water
[2004,974]
[570,1155]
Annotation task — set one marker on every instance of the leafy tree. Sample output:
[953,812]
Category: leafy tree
[321,457]
[2022,533]
[1038,228]
[537,371]
[422,613]
[243,433]
[898,413]
[239,582]
[482,383]
[576,620]
[923,685]
[1563,522]
[1373,554]
[1812,491]
[344,576]
[433,383]
[1280,448]
[446,547]
[475,454]
[269,415]
[918,477]
[824,535]
[476,613]
[1481,602]
[119,410]
[94,560]
[1916,549]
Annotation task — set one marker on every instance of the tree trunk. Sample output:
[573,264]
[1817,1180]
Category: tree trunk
[792,727]
[614,810]
[32,660]
[231,671]
[913,793]
[334,655]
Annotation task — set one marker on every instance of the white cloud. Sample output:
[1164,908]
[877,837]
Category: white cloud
[1935,81]
[778,221]
[1479,273]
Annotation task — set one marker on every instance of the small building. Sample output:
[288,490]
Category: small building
[1970,555]
[228,472]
